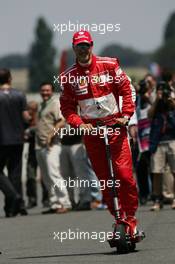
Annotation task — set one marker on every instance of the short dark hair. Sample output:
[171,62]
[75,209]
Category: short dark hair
[167,76]
[47,83]
[5,76]
[150,75]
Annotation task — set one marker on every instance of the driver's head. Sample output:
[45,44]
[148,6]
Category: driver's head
[82,45]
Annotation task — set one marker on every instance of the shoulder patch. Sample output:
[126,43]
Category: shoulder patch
[108,60]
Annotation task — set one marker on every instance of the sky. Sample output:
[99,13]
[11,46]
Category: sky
[141,22]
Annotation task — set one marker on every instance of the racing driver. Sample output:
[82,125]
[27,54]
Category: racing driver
[97,96]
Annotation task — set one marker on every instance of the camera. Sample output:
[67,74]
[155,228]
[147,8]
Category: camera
[165,88]
[144,87]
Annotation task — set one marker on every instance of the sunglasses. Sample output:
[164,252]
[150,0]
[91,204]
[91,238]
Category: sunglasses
[83,45]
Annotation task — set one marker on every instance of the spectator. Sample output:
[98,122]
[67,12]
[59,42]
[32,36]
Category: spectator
[167,176]
[12,115]
[149,78]
[170,79]
[31,160]
[48,149]
[168,180]
[12,199]
[75,165]
[162,140]
[144,125]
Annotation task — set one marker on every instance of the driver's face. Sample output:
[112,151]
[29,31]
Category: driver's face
[83,52]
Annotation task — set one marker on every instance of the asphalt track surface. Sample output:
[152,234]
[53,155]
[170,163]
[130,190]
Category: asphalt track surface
[30,239]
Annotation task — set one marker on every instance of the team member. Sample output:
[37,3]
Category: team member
[97,95]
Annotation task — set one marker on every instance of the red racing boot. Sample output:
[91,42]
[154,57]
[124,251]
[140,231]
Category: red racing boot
[131,229]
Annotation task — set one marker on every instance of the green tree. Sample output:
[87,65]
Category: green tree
[165,54]
[41,56]
[14,61]
[127,56]
[170,28]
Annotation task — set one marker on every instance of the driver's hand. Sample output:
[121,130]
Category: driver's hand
[88,127]
[122,121]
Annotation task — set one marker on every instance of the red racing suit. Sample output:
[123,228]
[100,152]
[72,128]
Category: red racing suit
[97,95]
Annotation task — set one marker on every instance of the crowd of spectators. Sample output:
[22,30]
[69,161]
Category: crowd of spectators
[53,161]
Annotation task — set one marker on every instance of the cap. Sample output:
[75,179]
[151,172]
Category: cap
[82,36]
